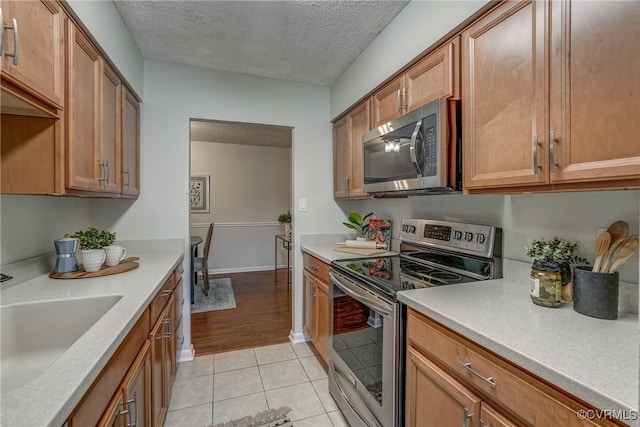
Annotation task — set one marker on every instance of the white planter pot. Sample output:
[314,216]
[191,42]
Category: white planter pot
[92,259]
[287,231]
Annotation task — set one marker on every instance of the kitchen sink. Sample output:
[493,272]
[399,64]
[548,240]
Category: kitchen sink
[34,335]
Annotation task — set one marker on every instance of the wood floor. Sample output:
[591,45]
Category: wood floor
[262,315]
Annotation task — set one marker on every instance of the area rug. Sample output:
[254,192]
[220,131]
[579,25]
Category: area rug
[269,418]
[220,297]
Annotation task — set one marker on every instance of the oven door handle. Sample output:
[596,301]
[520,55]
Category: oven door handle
[371,303]
[336,375]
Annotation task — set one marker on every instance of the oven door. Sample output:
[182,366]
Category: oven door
[364,353]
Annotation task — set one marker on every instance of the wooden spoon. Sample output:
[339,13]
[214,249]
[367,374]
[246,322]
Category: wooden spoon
[602,246]
[627,250]
[619,231]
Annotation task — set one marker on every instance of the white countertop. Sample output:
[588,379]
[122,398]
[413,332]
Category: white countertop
[49,399]
[593,359]
[325,252]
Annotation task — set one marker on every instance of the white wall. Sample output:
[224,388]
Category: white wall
[419,25]
[250,187]
[173,95]
[105,24]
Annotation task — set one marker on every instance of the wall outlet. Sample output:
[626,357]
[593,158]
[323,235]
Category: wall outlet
[302,204]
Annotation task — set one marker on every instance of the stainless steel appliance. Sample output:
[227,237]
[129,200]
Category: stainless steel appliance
[418,153]
[367,323]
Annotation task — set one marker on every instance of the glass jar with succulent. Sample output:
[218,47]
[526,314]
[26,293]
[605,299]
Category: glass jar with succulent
[552,259]
[357,223]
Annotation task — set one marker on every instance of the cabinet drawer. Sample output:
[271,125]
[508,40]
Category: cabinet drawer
[316,267]
[522,394]
[161,298]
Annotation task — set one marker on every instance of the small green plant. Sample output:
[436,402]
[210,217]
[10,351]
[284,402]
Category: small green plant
[556,250]
[284,218]
[357,223]
[92,238]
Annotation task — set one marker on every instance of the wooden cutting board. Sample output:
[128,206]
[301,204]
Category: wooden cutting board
[126,264]
[360,251]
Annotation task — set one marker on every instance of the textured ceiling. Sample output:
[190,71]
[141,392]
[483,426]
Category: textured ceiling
[305,41]
[240,133]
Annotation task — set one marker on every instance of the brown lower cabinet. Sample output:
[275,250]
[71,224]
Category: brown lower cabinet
[316,304]
[489,391]
[135,386]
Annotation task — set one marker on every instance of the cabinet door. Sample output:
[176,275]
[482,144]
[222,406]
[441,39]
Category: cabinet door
[322,319]
[436,76]
[40,47]
[158,342]
[115,414]
[434,398]
[387,103]
[83,112]
[110,136]
[341,158]
[489,417]
[359,123]
[130,144]
[137,389]
[308,306]
[504,87]
[595,82]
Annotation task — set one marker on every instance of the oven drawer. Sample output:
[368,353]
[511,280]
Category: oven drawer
[501,382]
[316,267]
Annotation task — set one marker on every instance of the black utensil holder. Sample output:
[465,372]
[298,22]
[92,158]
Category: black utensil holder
[595,294]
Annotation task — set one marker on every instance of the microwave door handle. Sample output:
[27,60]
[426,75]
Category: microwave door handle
[412,148]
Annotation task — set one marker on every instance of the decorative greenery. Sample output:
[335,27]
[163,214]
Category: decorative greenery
[92,238]
[556,250]
[284,218]
[357,223]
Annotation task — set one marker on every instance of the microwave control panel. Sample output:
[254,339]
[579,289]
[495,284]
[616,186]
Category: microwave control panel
[430,145]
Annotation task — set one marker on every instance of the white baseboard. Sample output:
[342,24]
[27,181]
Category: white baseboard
[297,337]
[187,355]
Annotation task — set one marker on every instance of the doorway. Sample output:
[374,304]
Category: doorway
[248,170]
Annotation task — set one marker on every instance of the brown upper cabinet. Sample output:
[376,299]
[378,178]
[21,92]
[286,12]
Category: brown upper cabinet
[130,144]
[84,142]
[32,54]
[548,90]
[435,76]
[347,153]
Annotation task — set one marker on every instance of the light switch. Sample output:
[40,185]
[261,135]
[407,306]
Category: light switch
[302,204]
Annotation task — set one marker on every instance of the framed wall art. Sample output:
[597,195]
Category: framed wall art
[199,198]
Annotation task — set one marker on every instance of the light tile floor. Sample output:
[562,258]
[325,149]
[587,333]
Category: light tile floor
[222,387]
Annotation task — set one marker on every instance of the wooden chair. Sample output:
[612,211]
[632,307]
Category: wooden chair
[201,263]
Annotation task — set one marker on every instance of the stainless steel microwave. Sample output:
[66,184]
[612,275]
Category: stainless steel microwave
[418,153]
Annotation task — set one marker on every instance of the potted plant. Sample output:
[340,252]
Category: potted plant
[357,223]
[92,241]
[285,219]
[551,269]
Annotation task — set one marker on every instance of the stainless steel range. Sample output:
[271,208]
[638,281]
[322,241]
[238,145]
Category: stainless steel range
[367,334]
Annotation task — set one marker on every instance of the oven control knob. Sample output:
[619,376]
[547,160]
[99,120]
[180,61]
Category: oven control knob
[480,237]
[468,236]
[457,235]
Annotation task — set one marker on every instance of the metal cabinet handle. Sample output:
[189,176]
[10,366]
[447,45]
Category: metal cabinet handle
[106,180]
[124,412]
[165,293]
[126,173]
[399,101]
[465,417]
[16,40]
[536,144]
[552,144]
[405,98]
[468,367]
[134,402]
